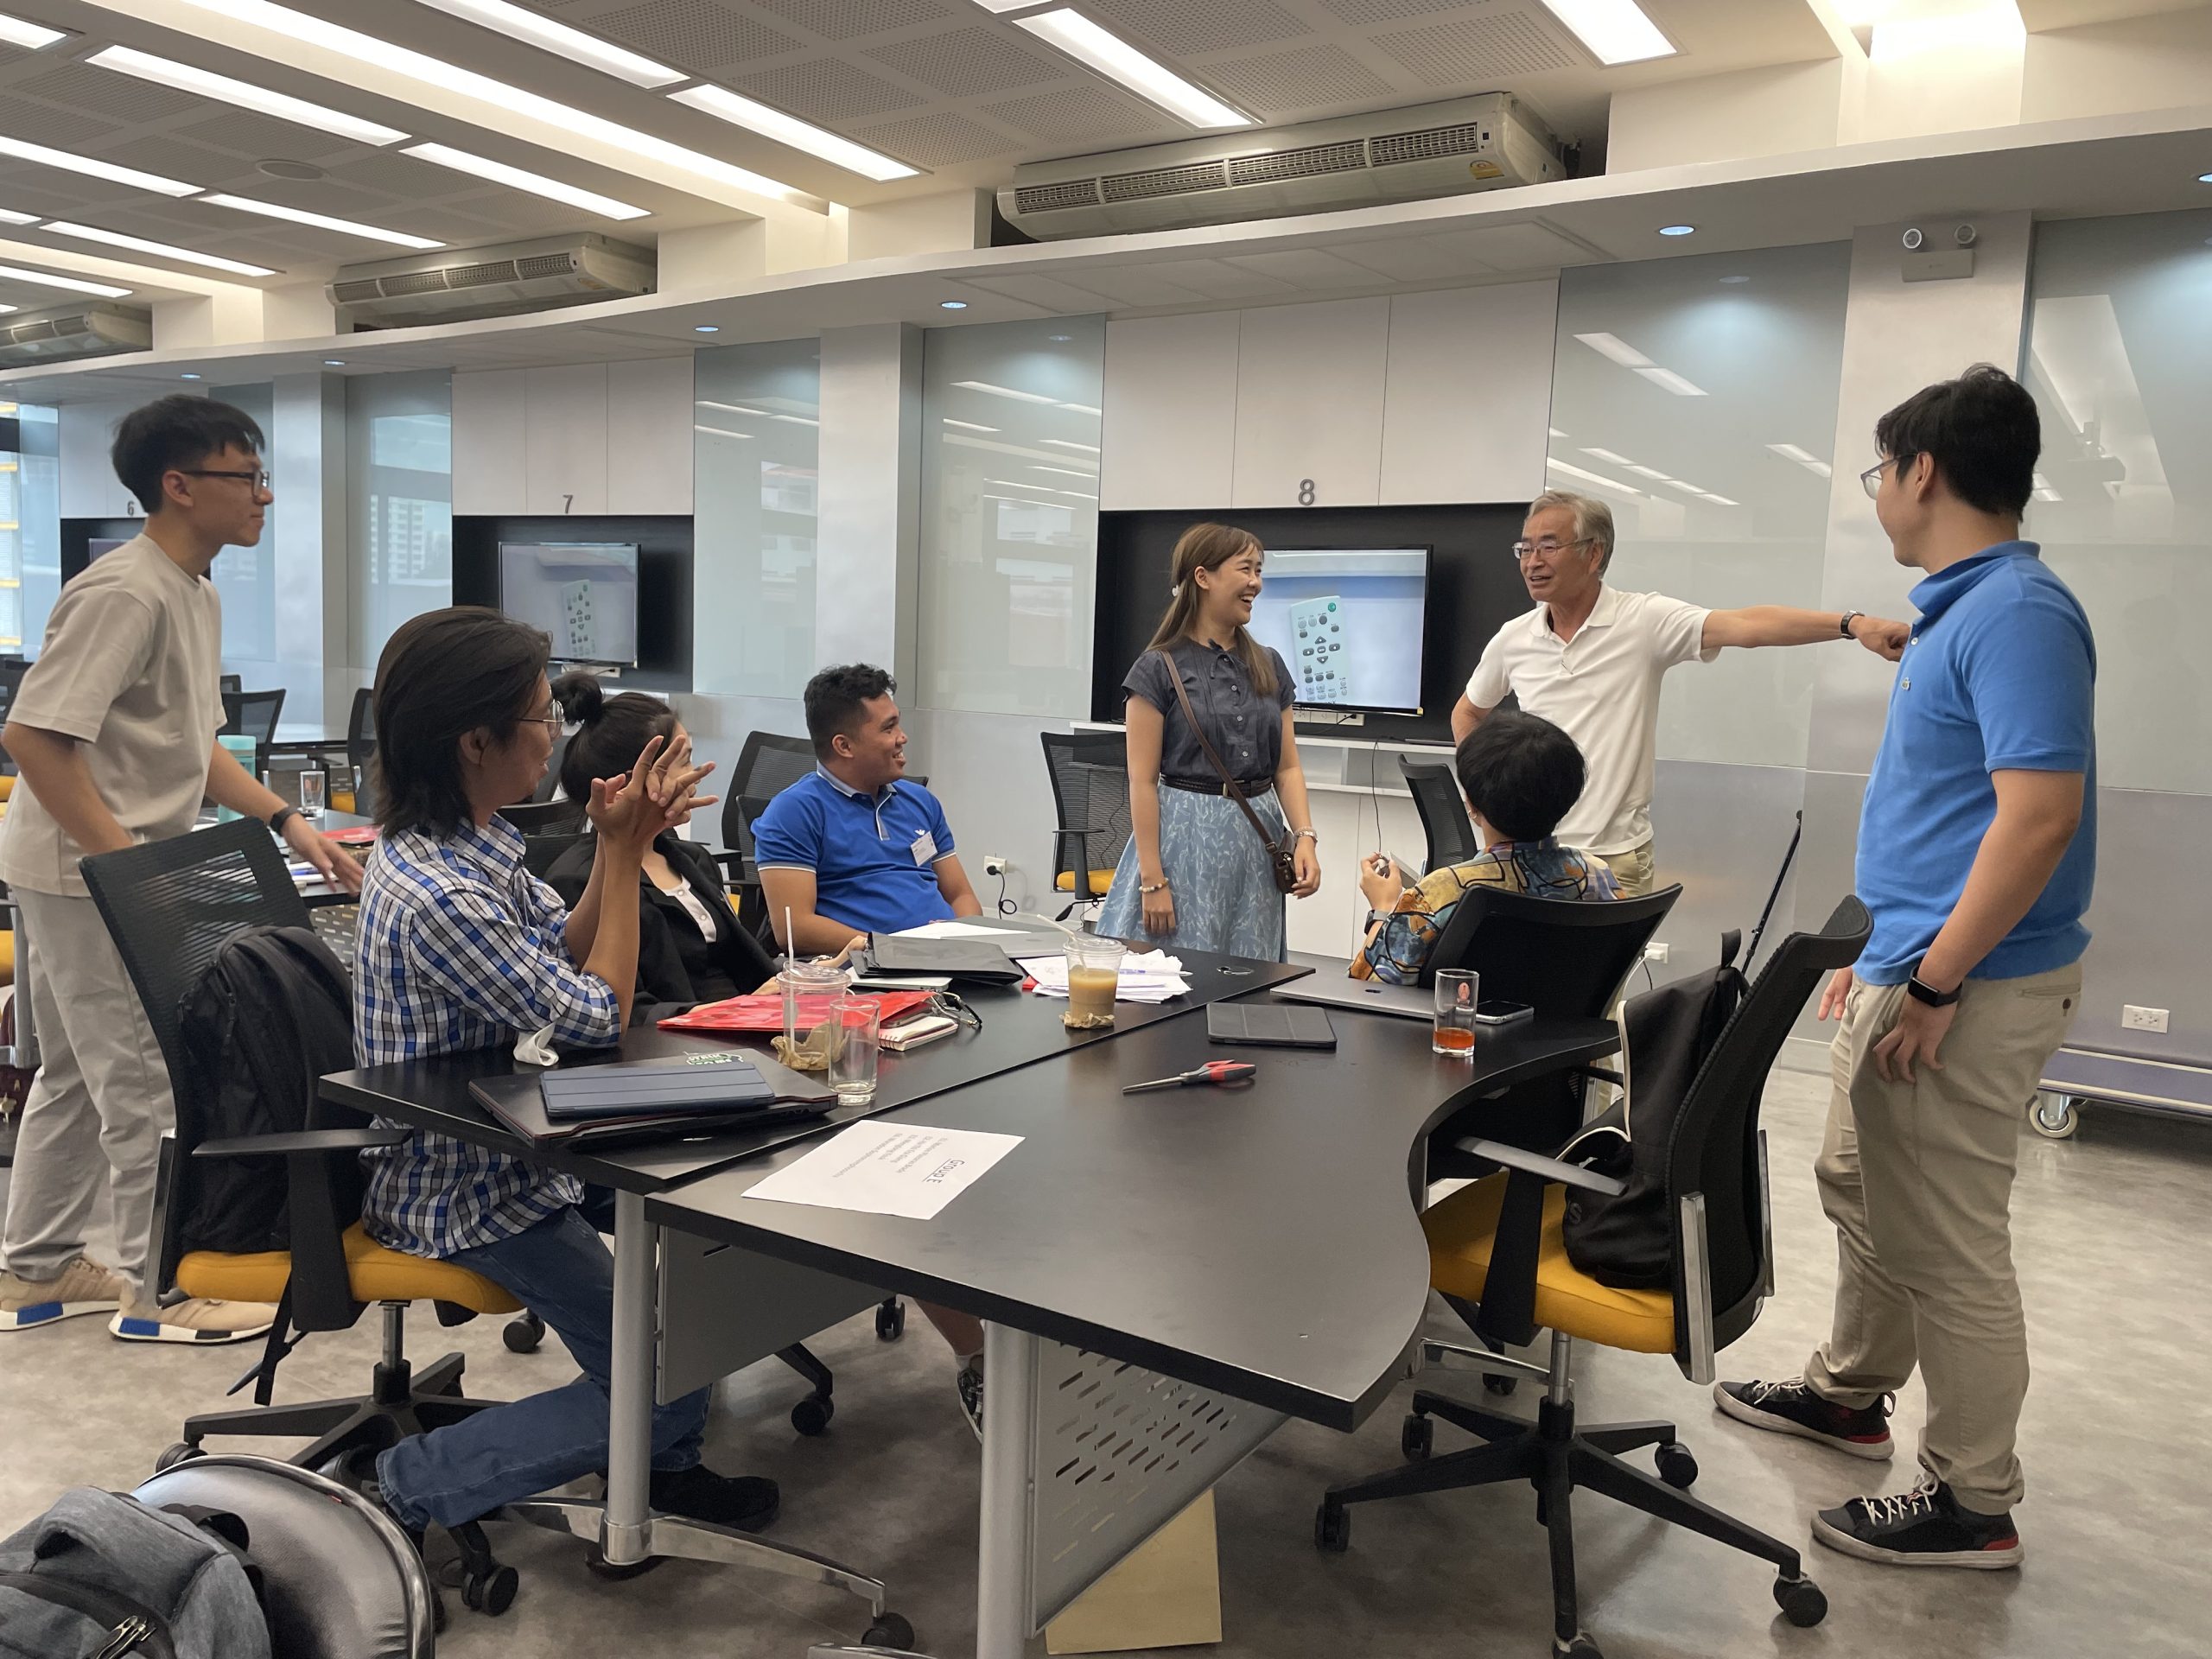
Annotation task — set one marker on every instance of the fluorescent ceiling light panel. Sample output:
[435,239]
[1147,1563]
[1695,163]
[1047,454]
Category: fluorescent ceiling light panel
[10,216]
[971,426]
[140,245]
[499,95]
[1648,472]
[1619,350]
[1616,31]
[204,83]
[91,168]
[529,26]
[1065,472]
[75,285]
[321,221]
[1722,500]
[733,408]
[517,178]
[1672,382]
[1685,488]
[795,419]
[1821,467]
[753,117]
[30,36]
[1607,454]
[1791,452]
[1082,409]
[1069,444]
[1004,5]
[1599,478]
[721,432]
[1005,391]
[1116,59]
[2048,495]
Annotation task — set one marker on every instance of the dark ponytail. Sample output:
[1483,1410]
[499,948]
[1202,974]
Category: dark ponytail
[611,732]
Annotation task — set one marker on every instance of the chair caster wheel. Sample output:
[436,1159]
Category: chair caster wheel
[490,1593]
[1581,1648]
[1332,1527]
[522,1333]
[182,1452]
[890,1322]
[812,1415]
[1503,1387]
[2056,1117]
[1677,1465]
[1801,1602]
[1418,1439]
[889,1630]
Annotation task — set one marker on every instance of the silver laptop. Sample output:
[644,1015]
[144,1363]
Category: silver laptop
[1331,986]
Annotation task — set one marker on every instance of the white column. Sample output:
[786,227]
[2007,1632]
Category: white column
[307,443]
[867,569]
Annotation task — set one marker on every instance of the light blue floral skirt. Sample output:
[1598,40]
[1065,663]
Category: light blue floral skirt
[1218,869]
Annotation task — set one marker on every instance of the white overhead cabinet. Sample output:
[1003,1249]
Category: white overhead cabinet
[488,442]
[649,442]
[582,439]
[1466,413]
[1309,405]
[89,487]
[1169,437]
[564,440]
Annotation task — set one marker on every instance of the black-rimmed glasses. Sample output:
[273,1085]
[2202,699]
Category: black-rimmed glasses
[260,480]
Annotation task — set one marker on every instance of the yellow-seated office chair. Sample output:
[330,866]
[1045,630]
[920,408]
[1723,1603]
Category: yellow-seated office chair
[1090,796]
[1497,1254]
[1097,883]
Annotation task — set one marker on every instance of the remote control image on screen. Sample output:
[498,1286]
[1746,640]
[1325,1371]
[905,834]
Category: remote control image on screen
[581,634]
[1324,672]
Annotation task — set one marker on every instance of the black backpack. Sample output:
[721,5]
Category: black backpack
[1621,1241]
[271,1015]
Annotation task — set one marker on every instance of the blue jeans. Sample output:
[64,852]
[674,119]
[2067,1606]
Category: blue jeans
[563,1271]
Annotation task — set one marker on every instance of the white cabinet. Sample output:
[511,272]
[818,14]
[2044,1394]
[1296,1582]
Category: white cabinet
[1309,405]
[488,442]
[648,442]
[89,488]
[1468,404]
[1169,429]
[564,440]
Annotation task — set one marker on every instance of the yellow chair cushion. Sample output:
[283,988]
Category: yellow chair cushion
[1461,1231]
[7,958]
[1100,882]
[376,1275]
[342,800]
[7,785]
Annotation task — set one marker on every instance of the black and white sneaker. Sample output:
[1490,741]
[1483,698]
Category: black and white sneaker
[969,1381]
[1924,1527]
[1792,1408]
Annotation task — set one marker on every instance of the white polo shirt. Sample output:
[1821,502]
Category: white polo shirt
[1602,689]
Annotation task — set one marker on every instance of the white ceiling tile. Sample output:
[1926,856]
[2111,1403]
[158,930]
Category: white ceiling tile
[973,62]
[41,123]
[1187,26]
[1516,247]
[1464,54]
[937,140]
[1048,291]
[1136,285]
[1079,114]
[1303,78]
[847,20]
[1308,268]
[695,35]
[104,92]
[1412,259]
[827,90]
[1219,280]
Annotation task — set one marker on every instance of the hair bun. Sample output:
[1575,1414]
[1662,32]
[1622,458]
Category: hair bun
[581,698]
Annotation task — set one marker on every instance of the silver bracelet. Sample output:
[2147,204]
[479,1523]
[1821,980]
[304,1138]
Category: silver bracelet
[1157,886]
[1313,836]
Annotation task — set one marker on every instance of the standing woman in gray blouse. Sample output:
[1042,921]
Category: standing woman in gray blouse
[1196,873]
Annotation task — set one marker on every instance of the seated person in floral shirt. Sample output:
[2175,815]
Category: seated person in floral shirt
[1521,774]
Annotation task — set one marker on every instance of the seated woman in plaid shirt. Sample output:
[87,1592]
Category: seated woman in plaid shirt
[461,947]
[1521,775]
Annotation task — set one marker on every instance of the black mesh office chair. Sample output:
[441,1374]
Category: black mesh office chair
[1497,1248]
[1090,796]
[231,684]
[360,752]
[541,852]
[768,764]
[254,715]
[1443,811]
[546,817]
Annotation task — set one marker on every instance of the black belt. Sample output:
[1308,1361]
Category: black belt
[1215,786]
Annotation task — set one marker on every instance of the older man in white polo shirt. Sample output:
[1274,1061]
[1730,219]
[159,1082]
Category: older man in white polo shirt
[1589,658]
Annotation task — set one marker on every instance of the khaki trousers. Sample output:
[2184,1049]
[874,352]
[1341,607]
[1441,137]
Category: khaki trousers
[1633,871]
[1918,1177]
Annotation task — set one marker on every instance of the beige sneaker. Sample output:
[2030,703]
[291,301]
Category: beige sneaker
[199,1319]
[84,1287]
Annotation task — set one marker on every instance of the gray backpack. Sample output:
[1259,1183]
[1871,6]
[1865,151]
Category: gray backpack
[100,1575]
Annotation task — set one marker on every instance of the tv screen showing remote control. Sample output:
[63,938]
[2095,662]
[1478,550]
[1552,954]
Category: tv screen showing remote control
[1349,620]
[583,594]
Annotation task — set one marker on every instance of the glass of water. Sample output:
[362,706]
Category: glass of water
[858,1024]
[311,788]
[1459,990]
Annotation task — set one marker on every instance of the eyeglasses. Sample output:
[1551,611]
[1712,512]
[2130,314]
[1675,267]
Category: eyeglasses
[1524,551]
[260,481]
[1871,479]
[552,723]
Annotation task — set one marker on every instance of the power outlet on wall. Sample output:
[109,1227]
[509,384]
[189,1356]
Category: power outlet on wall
[1655,953]
[2134,1019]
[995,864]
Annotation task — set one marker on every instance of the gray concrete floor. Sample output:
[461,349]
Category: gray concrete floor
[2114,1249]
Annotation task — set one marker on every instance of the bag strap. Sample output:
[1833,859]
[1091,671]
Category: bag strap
[1230,787]
[109,1609]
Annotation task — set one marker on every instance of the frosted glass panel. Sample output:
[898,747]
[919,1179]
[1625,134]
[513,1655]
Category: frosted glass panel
[1009,549]
[399,476]
[756,430]
[1697,398]
[2120,352]
[30,544]
[245,577]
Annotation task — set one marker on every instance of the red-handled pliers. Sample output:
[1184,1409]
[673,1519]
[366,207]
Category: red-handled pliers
[1221,1073]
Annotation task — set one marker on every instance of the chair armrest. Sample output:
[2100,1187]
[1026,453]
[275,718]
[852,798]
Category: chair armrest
[305,1140]
[1601,1074]
[1547,1169]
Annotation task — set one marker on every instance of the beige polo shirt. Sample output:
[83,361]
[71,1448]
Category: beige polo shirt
[1602,689]
[131,667]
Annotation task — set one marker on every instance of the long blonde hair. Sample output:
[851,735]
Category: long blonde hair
[1208,547]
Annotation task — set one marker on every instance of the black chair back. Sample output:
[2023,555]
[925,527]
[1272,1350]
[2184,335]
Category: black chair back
[231,684]
[254,715]
[1443,811]
[768,764]
[551,780]
[540,853]
[1090,796]
[1564,957]
[546,818]
[1715,1153]
[12,670]
[361,751]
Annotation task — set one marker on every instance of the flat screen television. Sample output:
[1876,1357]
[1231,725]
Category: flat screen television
[98,545]
[582,594]
[1349,620]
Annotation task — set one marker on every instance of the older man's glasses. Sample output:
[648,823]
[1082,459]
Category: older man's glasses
[1549,548]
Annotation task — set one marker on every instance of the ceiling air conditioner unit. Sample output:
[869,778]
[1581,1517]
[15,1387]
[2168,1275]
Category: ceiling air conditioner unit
[451,286]
[75,331]
[1484,143]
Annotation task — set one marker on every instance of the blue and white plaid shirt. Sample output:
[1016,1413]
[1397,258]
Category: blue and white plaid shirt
[461,947]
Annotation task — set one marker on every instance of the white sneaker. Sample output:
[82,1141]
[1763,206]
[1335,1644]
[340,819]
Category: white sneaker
[198,1319]
[83,1287]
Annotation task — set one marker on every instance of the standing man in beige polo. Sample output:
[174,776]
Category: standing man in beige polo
[1589,658]
[113,735]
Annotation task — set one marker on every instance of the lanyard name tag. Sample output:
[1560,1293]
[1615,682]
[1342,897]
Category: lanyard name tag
[925,848]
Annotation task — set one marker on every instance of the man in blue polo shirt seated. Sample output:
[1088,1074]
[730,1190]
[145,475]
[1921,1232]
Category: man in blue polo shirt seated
[856,848]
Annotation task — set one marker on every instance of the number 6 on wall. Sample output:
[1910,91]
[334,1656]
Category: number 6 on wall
[1305,492]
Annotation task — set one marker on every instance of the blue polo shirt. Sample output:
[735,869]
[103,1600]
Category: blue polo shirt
[862,851]
[2000,676]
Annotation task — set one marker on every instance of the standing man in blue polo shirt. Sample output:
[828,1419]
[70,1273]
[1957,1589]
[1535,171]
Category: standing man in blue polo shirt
[856,848]
[1977,847]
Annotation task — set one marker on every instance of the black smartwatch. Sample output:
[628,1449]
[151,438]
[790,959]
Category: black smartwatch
[280,818]
[1849,617]
[1921,991]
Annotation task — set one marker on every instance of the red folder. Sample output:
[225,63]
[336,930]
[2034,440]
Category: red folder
[765,1012]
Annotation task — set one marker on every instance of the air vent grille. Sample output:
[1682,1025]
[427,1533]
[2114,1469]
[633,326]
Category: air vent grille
[1165,181]
[31,331]
[545,264]
[1299,163]
[419,281]
[485,275]
[1465,139]
[1044,197]
[69,328]
[353,293]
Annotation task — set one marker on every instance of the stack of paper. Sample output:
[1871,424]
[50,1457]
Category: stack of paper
[1153,976]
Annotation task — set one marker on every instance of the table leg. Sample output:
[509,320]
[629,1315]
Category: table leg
[1009,1477]
[629,1385]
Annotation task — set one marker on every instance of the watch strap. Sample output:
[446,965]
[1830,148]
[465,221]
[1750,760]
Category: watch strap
[1921,991]
[1849,617]
[280,816]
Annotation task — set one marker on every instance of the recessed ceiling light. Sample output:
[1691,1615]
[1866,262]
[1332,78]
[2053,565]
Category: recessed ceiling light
[96,169]
[1735,279]
[1616,31]
[186,78]
[165,250]
[536,183]
[188,377]
[1677,230]
[30,36]
[1004,5]
[333,362]
[1005,391]
[2204,178]
[73,284]
[952,305]
[754,117]
[570,43]
[10,216]
[1116,59]
[301,172]
[1059,339]
[321,221]
[706,328]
